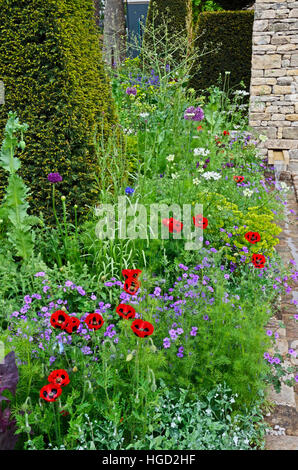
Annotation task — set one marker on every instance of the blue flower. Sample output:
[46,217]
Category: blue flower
[129,190]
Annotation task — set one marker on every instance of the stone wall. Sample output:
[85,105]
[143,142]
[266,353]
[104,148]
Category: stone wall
[2,93]
[274,82]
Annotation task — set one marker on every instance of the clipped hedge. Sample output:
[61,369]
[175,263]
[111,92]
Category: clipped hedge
[235,4]
[233,29]
[169,12]
[52,68]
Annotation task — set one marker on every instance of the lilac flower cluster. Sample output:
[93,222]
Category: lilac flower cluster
[45,337]
[271,360]
[144,81]
[194,114]
[111,332]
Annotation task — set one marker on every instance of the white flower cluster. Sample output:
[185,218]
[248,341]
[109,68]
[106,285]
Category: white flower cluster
[284,186]
[277,431]
[247,192]
[144,115]
[211,175]
[170,158]
[196,181]
[201,151]
[128,131]
[241,92]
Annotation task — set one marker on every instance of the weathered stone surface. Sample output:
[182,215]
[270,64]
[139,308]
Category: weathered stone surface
[290,133]
[274,73]
[292,117]
[285,417]
[281,443]
[2,93]
[286,48]
[259,116]
[284,80]
[294,156]
[260,25]
[274,82]
[294,60]
[261,90]
[285,144]
[263,81]
[258,40]
[279,40]
[270,132]
[278,117]
[266,61]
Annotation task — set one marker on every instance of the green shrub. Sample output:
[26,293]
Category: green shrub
[165,14]
[228,39]
[52,68]
[234,4]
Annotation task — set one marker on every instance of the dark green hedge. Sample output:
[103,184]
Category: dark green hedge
[52,68]
[233,29]
[232,5]
[169,12]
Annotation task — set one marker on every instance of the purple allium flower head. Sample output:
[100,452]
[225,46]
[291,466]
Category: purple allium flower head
[131,91]
[194,114]
[54,177]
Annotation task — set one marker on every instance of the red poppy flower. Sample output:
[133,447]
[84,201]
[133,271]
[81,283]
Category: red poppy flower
[94,321]
[131,273]
[258,260]
[73,324]
[131,286]
[173,225]
[199,128]
[226,133]
[59,319]
[200,221]
[64,413]
[126,311]
[50,392]
[252,237]
[59,377]
[142,328]
[238,179]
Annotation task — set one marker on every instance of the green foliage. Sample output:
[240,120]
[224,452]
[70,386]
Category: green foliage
[13,211]
[176,422]
[203,5]
[232,5]
[170,16]
[52,68]
[228,37]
